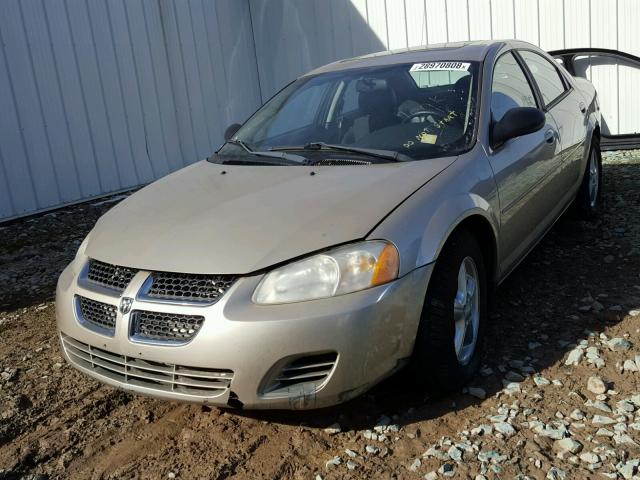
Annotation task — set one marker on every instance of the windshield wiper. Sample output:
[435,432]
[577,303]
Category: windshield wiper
[371,152]
[281,155]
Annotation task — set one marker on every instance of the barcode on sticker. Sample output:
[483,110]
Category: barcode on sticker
[436,66]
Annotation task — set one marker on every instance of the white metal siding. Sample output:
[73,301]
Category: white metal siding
[98,96]
[292,37]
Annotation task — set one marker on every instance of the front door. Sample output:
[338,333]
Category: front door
[525,169]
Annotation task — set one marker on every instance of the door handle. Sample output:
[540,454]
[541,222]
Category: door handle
[583,107]
[549,136]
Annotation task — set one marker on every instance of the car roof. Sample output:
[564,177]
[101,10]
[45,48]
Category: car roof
[475,50]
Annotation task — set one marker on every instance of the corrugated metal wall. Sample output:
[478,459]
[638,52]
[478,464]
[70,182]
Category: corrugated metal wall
[98,96]
[102,95]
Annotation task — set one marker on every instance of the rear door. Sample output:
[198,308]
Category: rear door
[616,76]
[568,108]
[525,168]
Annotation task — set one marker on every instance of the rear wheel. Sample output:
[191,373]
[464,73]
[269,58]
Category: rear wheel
[448,346]
[587,200]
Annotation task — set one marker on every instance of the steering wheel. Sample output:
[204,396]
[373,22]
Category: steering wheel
[423,113]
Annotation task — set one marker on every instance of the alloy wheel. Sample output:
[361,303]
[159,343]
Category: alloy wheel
[466,311]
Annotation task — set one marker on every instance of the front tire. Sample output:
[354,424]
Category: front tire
[587,202]
[448,346]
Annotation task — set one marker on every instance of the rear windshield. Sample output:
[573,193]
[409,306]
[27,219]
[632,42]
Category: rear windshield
[421,110]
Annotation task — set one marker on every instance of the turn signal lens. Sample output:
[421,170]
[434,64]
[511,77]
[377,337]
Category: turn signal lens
[387,267]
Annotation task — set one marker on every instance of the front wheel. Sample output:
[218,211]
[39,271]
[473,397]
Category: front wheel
[448,345]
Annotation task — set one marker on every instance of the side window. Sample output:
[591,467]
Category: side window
[510,87]
[545,74]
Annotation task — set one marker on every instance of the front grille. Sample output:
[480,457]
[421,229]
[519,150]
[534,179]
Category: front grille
[196,381]
[306,374]
[110,276]
[167,327]
[189,287]
[96,314]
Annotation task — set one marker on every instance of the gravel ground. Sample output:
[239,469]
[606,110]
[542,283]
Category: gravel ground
[558,396]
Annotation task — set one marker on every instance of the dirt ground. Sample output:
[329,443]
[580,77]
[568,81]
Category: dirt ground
[574,300]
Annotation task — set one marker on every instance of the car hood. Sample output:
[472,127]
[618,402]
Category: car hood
[224,219]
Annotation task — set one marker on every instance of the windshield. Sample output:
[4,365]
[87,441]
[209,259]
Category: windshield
[420,111]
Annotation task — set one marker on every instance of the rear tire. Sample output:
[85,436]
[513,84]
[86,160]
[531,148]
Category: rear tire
[587,202]
[448,347]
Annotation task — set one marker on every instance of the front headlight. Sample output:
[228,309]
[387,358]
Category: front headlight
[336,272]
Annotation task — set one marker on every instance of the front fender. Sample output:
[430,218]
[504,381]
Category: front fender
[421,225]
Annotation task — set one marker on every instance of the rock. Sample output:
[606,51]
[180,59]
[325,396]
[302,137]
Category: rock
[567,445]
[555,473]
[372,449]
[491,456]
[511,388]
[623,439]
[604,432]
[602,420]
[415,465]
[574,357]
[627,470]
[351,465]
[350,453]
[486,371]
[533,345]
[541,381]
[577,415]
[171,475]
[513,376]
[333,429]
[505,428]
[334,462]
[437,453]
[599,404]
[596,385]
[629,366]
[619,344]
[557,433]
[431,476]
[483,429]
[382,423]
[626,406]
[634,313]
[455,454]
[447,470]
[589,457]
[478,392]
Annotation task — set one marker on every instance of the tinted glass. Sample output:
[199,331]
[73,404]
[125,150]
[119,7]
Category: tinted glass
[510,87]
[420,110]
[545,74]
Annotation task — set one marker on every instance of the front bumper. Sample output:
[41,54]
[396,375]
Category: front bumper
[368,333]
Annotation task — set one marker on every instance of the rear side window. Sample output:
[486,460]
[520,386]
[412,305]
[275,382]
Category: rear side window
[545,74]
[510,87]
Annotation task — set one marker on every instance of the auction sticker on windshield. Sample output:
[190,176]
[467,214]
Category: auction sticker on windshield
[439,66]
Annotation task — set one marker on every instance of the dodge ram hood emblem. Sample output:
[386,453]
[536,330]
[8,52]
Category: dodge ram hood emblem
[125,305]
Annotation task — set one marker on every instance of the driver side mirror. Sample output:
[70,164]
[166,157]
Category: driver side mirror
[231,131]
[515,123]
